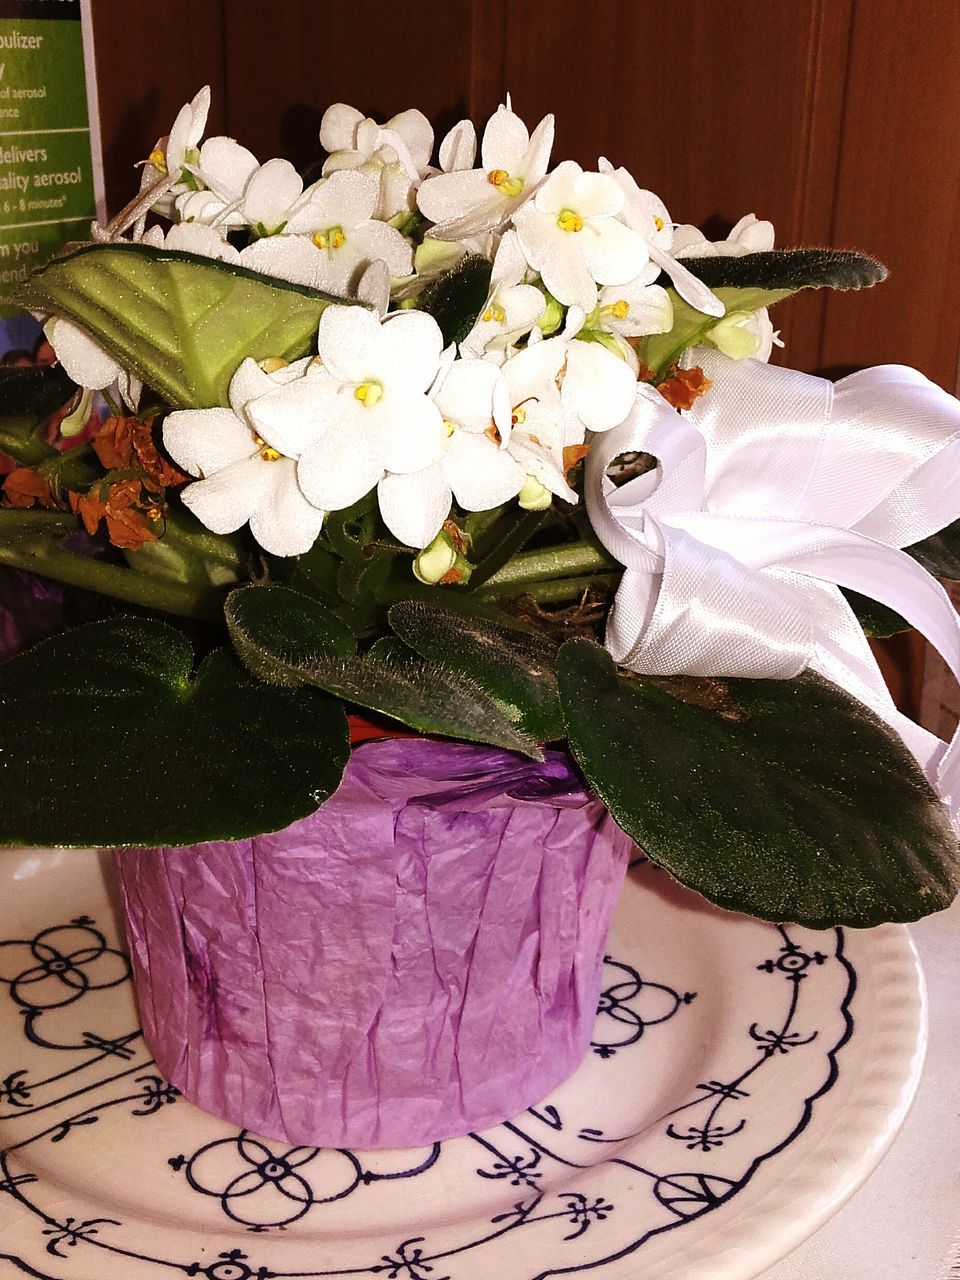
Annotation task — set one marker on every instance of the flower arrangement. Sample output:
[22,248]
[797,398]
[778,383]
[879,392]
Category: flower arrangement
[492,452]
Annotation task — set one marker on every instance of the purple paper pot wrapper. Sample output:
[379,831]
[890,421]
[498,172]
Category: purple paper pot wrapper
[419,958]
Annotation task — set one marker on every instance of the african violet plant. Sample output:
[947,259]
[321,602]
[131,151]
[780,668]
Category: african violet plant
[494,452]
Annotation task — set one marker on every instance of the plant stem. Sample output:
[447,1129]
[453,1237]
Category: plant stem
[547,563]
[41,555]
[553,590]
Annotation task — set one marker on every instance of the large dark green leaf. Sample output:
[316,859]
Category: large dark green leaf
[515,668]
[391,680]
[282,622]
[106,738]
[29,396]
[455,299]
[786,799]
[940,553]
[180,322]
[790,269]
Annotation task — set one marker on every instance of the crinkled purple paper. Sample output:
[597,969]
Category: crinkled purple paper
[30,608]
[419,958]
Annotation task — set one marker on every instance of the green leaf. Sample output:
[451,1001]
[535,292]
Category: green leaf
[659,351]
[876,619]
[181,323]
[391,679]
[456,298]
[515,668]
[282,622]
[29,396]
[940,553]
[789,269]
[786,799]
[107,739]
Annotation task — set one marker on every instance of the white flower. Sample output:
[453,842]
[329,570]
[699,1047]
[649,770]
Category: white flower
[634,309]
[172,153]
[474,468]
[463,203]
[367,412]
[396,153]
[512,307]
[240,191]
[243,477]
[338,216]
[571,234]
[750,235]
[558,390]
[648,216]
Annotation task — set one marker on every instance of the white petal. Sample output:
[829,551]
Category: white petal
[687,285]
[597,195]
[754,235]
[194,237]
[412,434]
[284,522]
[459,148]
[560,189]
[225,502]
[374,287]
[415,506]
[538,153]
[270,193]
[481,475]
[451,196]
[417,132]
[343,466]
[348,342]
[226,167]
[376,241]
[415,343]
[598,387]
[205,441]
[84,360]
[338,128]
[292,258]
[293,417]
[614,253]
[505,142]
[466,395]
[650,309]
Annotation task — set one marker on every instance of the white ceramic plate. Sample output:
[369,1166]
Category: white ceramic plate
[744,1080]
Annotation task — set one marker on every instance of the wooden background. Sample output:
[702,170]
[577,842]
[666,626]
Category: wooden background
[839,120]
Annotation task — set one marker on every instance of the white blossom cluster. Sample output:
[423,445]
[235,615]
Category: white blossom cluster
[575,260]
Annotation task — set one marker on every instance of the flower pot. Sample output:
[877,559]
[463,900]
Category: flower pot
[417,959]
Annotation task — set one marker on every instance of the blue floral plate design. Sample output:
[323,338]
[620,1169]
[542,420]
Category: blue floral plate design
[743,1080]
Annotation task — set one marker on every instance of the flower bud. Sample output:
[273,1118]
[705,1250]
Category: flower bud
[435,561]
[534,496]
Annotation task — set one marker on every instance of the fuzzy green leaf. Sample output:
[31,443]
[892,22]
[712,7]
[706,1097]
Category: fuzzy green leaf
[180,322]
[287,647]
[789,269]
[786,799]
[456,298]
[106,738]
[515,668]
[940,553]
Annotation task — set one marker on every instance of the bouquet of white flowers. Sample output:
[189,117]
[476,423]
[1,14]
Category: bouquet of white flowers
[492,451]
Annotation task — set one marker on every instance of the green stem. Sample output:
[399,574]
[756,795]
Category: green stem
[554,590]
[547,563]
[35,550]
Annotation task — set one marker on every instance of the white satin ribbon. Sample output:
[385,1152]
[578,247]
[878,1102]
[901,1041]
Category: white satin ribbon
[776,490]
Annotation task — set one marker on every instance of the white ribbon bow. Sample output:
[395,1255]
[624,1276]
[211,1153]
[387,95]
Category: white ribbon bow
[774,491]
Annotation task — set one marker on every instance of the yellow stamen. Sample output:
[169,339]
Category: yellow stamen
[496,313]
[569,220]
[505,183]
[267,451]
[448,427]
[368,393]
[332,238]
[621,308]
[273,364]
[153,513]
[519,416]
[158,160]
[658,222]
